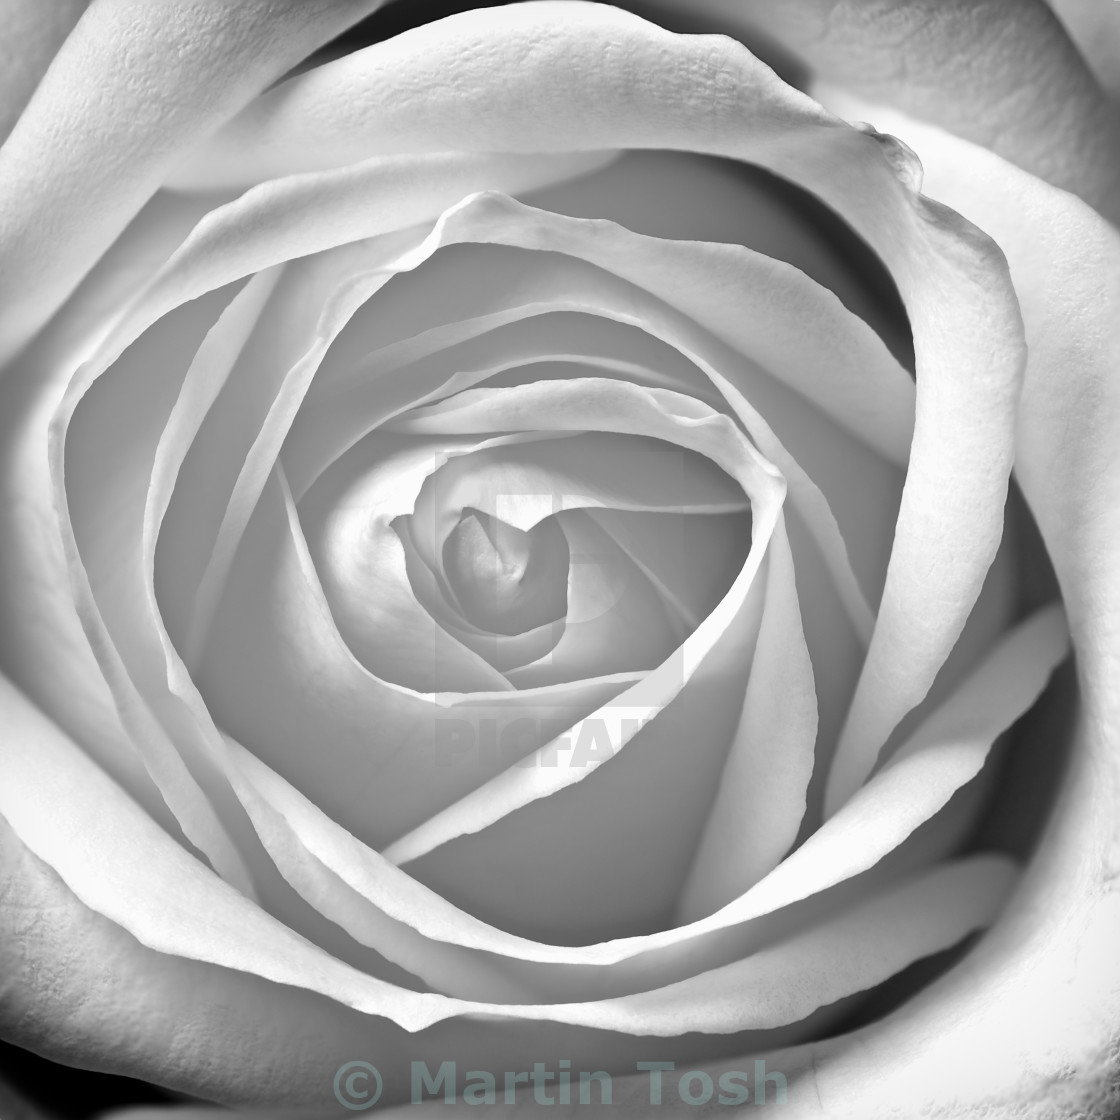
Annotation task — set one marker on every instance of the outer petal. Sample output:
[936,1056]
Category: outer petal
[33,32]
[1065,263]
[175,1002]
[42,646]
[1055,948]
[1002,73]
[129,90]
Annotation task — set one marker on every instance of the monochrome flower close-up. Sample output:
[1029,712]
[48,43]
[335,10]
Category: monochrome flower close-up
[561,556]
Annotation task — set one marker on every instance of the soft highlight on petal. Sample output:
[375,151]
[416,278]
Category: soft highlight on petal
[130,89]
[33,32]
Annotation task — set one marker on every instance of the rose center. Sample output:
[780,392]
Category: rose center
[506,579]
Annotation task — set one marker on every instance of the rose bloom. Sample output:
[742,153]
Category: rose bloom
[507,555]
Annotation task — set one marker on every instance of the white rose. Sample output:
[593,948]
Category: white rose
[202,563]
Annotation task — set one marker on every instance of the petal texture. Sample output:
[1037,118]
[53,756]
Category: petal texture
[33,32]
[1001,73]
[77,168]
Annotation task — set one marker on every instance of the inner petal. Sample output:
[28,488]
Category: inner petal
[507,579]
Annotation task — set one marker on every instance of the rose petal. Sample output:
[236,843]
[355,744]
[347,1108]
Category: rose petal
[237,444]
[536,344]
[570,405]
[787,982]
[150,893]
[691,562]
[585,470]
[338,419]
[899,668]
[201,1029]
[360,560]
[93,546]
[1063,260]
[349,405]
[474,56]
[647,261]
[1096,30]
[283,219]
[959,66]
[642,191]
[353,517]
[577,405]
[405,754]
[616,621]
[524,482]
[77,168]
[503,651]
[42,645]
[946,752]
[33,32]
[639,815]
[214,362]
[72,816]
[521,483]
[1002,74]
[147,645]
[1056,947]
[761,800]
